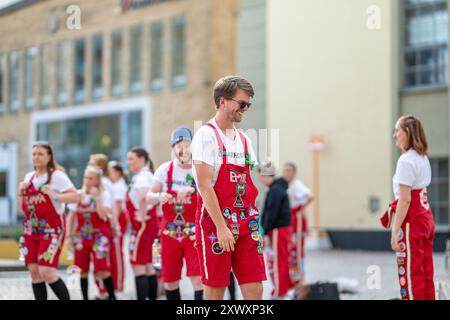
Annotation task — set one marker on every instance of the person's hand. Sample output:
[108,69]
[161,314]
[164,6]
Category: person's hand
[225,238]
[49,191]
[394,241]
[183,194]
[165,197]
[22,187]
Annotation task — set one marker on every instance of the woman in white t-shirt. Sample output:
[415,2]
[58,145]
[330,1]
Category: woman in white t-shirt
[174,189]
[90,240]
[144,224]
[410,216]
[117,175]
[43,194]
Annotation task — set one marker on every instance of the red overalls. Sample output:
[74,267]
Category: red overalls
[236,194]
[142,235]
[415,260]
[44,228]
[119,275]
[178,235]
[278,260]
[297,246]
[91,240]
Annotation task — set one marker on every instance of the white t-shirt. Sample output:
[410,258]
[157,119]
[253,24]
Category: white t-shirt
[298,193]
[60,182]
[120,192]
[413,170]
[86,199]
[142,179]
[108,186]
[205,148]
[182,178]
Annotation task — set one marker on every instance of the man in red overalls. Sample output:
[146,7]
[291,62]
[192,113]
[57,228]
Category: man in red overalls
[227,228]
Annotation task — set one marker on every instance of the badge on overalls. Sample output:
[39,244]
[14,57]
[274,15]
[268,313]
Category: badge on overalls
[240,192]
[178,209]
[243,214]
[235,228]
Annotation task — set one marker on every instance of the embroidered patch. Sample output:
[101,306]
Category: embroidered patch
[216,248]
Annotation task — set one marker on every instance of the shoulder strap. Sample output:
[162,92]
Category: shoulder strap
[220,142]
[170,177]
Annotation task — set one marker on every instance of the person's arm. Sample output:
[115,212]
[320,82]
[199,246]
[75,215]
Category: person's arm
[69,229]
[274,199]
[205,174]
[156,196]
[402,210]
[142,210]
[102,210]
[68,196]
[308,202]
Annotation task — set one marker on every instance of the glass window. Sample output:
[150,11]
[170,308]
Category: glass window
[135,59]
[2,58]
[62,73]
[3,184]
[29,72]
[13,83]
[97,66]
[439,191]
[179,51]
[156,56]
[45,77]
[79,69]
[116,63]
[74,140]
[426,46]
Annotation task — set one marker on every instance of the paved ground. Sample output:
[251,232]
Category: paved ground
[320,266]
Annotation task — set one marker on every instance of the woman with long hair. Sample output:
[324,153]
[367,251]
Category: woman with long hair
[43,194]
[143,222]
[409,216]
[118,178]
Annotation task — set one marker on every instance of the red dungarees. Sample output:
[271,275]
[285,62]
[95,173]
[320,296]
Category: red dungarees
[92,240]
[44,228]
[143,234]
[416,236]
[236,194]
[178,235]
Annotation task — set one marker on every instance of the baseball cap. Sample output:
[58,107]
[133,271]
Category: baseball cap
[180,134]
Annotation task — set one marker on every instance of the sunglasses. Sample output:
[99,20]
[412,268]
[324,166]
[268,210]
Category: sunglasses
[242,104]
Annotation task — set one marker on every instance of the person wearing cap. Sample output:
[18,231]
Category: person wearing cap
[227,228]
[276,223]
[174,189]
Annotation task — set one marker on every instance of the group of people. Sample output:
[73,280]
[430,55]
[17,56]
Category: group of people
[200,206]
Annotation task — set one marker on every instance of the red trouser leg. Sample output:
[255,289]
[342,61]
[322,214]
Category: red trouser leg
[415,261]
[280,239]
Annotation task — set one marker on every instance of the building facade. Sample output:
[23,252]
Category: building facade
[346,72]
[104,76]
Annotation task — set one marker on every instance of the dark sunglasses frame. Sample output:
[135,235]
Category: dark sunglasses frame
[242,104]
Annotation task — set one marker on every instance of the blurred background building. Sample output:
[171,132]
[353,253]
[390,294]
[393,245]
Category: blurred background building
[346,70]
[342,70]
[131,73]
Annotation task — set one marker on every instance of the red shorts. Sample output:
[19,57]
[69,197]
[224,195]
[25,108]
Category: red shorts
[172,254]
[97,250]
[141,241]
[247,259]
[42,249]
